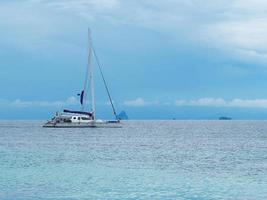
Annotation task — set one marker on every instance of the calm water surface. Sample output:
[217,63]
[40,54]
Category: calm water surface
[197,160]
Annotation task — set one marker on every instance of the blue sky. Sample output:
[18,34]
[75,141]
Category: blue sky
[184,59]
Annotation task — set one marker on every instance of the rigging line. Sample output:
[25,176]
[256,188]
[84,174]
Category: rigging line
[105,83]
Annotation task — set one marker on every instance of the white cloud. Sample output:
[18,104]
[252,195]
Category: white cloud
[236,27]
[32,27]
[140,102]
[89,9]
[80,5]
[219,102]
[20,103]
[243,38]
[136,102]
[256,103]
[205,102]
[202,102]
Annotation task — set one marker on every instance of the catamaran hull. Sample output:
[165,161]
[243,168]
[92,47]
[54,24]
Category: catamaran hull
[83,125]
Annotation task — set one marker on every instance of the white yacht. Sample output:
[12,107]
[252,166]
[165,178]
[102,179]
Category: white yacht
[82,118]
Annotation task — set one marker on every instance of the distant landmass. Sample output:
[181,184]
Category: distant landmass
[123,115]
[225,118]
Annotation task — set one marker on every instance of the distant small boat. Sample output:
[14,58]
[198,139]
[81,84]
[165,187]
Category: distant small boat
[225,118]
[82,118]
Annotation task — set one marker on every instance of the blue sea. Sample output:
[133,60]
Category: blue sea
[157,160]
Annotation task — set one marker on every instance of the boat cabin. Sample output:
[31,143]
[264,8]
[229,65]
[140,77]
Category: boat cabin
[72,119]
[78,118]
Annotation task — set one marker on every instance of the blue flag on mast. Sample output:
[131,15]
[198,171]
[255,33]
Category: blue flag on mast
[81,97]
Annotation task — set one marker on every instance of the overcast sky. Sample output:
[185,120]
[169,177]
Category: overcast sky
[185,59]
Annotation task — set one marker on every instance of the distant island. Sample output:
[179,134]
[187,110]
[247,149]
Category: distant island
[123,115]
[225,118]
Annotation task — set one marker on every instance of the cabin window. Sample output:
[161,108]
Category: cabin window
[74,117]
[67,120]
[85,118]
[79,118]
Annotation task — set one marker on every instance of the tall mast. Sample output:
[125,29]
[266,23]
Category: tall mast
[90,69]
